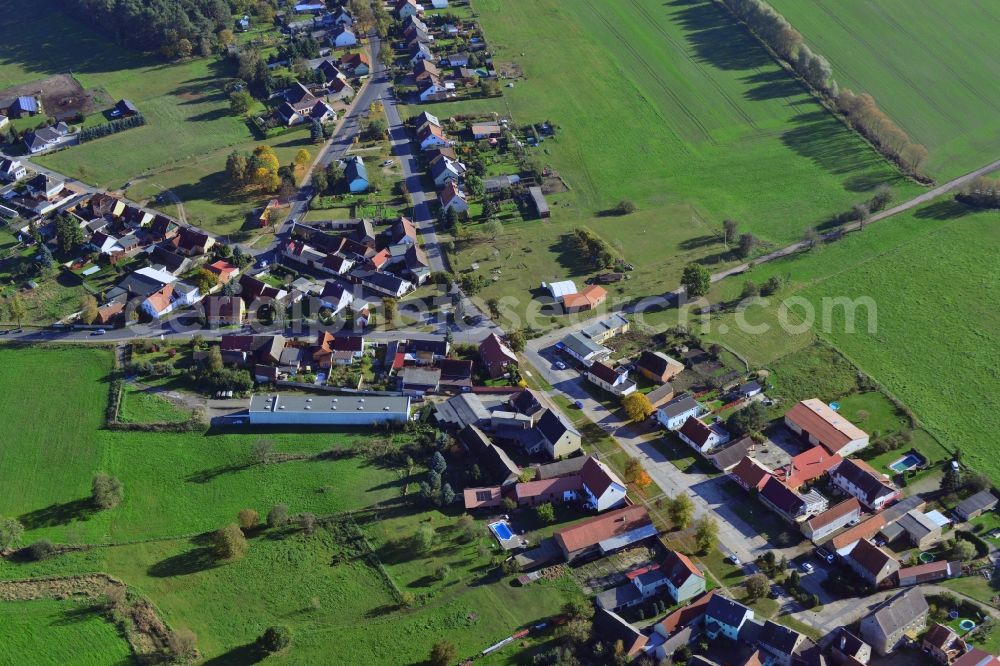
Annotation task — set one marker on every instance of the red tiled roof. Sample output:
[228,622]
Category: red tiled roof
[863,530]
[597,529]
[870,557]
[604,372]
[832,430]
[696,431]
[492,351]
[591,296]
[834,513]
[682,617]
[560,484]
[751,472]
[481,497]
[160,300]
[809,465]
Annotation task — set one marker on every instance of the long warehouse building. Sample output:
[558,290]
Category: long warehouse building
[354,409]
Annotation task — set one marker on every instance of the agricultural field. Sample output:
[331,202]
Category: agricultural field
[672,106]
[74,633]
[189,132]
[931,280]
[180,486]
[930,65]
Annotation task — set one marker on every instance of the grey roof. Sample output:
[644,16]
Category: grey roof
[612,627]
[779,638]
[871,486]
[553,426]
[725,610]
[732,454]
[619,596]
[581,345]
[628,538]
[902,507]
[899,611]
[892,531]
[981,501]
[917,524]
[463,410]
[353,403]
[421,376]
[598,328]
[474,439]
[680,405]
[566,467]
[852,645]
[525,402]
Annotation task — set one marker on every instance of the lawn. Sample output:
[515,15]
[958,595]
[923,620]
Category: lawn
[685,115]
[928,334]
[138,406]
[189,130]
[73,633]
[929,65]
[179,486]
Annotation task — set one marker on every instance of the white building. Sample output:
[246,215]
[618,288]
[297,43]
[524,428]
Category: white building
[673,415]
[603,488]
[337,410]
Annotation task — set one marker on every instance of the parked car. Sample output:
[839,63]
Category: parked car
[733,559]
[824,554]
[560,365]
[100,331]
[808,568]
[578,404]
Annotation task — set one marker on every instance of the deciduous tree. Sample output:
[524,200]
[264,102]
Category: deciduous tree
[706,534]
[637,406]
[696,280]
[106,491]
[681,511]
[230,544]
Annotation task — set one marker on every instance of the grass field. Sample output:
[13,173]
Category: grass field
[73,633]
[932,279]
[684,114]
[180,486]
[189,129]
[929,64]
[138,406]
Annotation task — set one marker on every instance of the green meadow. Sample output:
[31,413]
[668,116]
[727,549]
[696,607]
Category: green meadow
[179,487]
[71,632]
[930,65]
[925,326]
[677,108]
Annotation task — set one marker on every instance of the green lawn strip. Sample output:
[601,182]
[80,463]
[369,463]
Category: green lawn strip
[74,632]
[799,626]
[977,587]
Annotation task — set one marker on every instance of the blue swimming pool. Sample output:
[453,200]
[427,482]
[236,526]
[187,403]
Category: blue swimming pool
[907,462]
[502,530]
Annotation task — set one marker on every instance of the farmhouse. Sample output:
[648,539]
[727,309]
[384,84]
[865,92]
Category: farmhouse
[603,488]
[930,572]
[683,579]
[560,490]
[658,367]
[886,627]
[808,466]
[224,310]
[354,409]
[605,533]
[12,170]
[356,63]
[849,650]
[816,423]
[612,628]
[750,474]
[872,489]
[943,644]
[725,617]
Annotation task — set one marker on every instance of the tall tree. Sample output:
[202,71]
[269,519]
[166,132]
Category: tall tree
[696,280]
[88,309]
[681,511]
[706,534]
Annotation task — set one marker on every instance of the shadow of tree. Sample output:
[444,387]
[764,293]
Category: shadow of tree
[717,39]
[191,562]
[58,514]
[238,656]
[943,209]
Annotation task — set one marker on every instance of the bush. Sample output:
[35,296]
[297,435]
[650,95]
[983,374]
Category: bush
[275,639]
[40,550]
[230,544]
[248,519]
[106,491]
[277,516]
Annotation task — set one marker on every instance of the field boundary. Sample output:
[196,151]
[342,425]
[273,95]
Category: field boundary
[826,101]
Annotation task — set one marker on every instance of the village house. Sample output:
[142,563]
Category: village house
[191,241]
[11,170]
[224,310]
[848,650]
[790,505]
[976,657]
[482,498]
[452,198]
[808,466]
[661,395]
[443,170]
[583,348]
[750,474]
[604,534]
[658,367]
[613,381]
[928,573]
[681,627]
[355,174]
[602,487]
[431,136]
[725,617]
[605,329]
[817,424]
[560,490]
[872,563]
[407,8]
[613,629]
[894,620]
[683,579]
[418,52]
[495,356]
[701,437]
[418,381]
[943,644]
[357,64]
[39,140]
[424,70]
[858,479]
[676,412]
[343,37]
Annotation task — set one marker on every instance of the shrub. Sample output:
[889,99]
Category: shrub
[106,491]
[275,639]
[248,519]
[40,550]
[230,544]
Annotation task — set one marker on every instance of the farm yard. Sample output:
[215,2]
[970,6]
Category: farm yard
[929,65]
[188,484]
[685,115]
